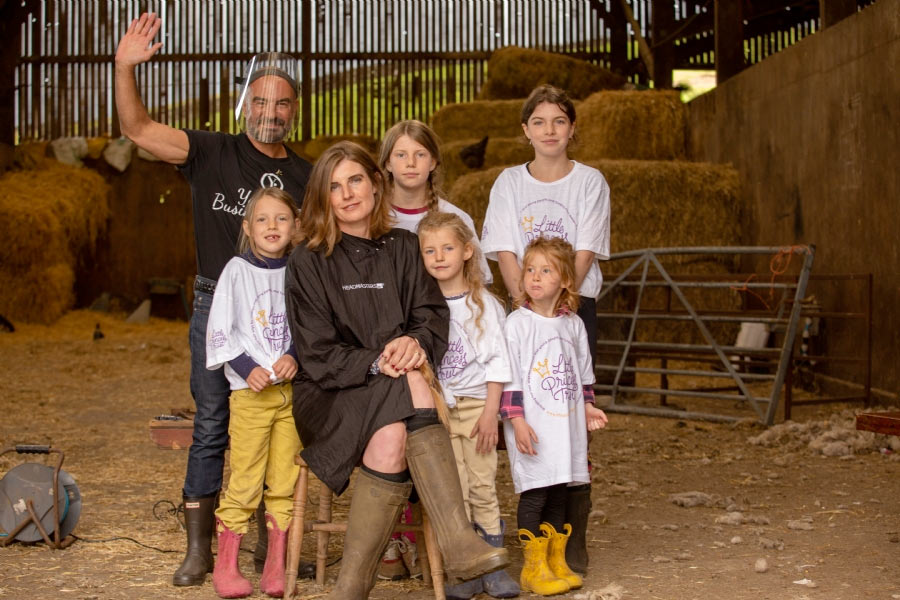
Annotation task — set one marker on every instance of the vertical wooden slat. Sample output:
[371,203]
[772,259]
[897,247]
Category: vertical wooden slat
[306,17]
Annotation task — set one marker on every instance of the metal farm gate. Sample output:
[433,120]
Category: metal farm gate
[675,330]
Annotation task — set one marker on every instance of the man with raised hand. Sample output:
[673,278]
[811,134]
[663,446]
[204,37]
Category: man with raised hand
[222,170]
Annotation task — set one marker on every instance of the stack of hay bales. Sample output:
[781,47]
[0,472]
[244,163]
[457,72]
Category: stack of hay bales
[637,125]
[312,149]
[499,152]
[653,203]
[513,72]
[474,120]
[637,139]
[52,218]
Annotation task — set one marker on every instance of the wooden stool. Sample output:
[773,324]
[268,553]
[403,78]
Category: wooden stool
[432,570]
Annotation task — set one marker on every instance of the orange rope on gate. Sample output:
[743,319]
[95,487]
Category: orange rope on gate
[778,265]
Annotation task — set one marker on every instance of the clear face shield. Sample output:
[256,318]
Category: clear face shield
[267,106]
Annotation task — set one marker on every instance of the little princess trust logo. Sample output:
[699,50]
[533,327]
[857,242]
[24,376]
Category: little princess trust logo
[547,218]
[454,361]
[551,380]
[270,328]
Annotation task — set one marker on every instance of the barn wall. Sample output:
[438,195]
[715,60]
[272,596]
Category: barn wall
[815,133]
[150,235]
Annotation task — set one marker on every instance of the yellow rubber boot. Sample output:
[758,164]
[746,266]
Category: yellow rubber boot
[536,574]
[556,554]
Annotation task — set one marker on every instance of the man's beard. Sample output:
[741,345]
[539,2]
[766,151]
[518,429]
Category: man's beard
[258,130]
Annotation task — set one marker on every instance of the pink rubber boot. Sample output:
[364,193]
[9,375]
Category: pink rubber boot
[272,580]
[227,579]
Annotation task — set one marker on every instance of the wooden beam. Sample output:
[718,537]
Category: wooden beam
[832,11]
[12,15]
[307,15]
[643,46]
[618,40]
[662,27]
[729,39]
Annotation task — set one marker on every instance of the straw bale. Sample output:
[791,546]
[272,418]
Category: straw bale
[499,151]
[314,148]
[513,72]
[654,204]
[52,215]
[648,125]
[39,295]
[7,156]
[474,120]
[471,193]
[658,204]
[30,155]
[96,145]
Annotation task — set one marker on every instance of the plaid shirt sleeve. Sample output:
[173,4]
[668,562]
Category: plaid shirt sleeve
[511,405]
[588,392]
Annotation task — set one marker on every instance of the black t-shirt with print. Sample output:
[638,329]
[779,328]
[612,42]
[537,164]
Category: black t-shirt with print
[223,170]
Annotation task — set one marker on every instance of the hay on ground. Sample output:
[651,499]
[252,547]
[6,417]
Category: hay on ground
[474,120]
[39,295]
[499,152]
[513,72]
[648,125]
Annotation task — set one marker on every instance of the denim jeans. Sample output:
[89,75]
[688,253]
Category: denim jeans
[210,390]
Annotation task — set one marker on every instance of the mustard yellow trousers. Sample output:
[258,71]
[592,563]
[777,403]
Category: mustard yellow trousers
[264,443]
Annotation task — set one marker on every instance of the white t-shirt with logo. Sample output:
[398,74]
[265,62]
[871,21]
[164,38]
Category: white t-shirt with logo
[575,207]
[473,358]
[551,362]
[409,220]
[247,315]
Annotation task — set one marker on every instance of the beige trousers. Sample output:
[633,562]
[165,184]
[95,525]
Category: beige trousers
[477,472]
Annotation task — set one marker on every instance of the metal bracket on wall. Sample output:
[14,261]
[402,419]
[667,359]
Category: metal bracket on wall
[737,365]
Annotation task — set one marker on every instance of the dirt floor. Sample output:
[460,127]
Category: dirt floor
[682,509]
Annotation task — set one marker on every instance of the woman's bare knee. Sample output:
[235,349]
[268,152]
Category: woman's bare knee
[386,450]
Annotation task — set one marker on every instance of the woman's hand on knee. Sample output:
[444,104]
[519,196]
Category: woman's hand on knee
[403,354]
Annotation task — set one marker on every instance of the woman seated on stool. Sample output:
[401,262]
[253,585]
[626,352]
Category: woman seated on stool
[368,321]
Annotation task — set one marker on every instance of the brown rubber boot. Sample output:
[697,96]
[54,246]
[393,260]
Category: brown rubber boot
[199,522]
[374,509]
[433,468]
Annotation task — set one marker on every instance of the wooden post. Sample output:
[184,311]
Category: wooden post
[832,11]
[729,39]
[12,15]
[203,104]
[643,47]
[618,39]
[307,16]
[663,53]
